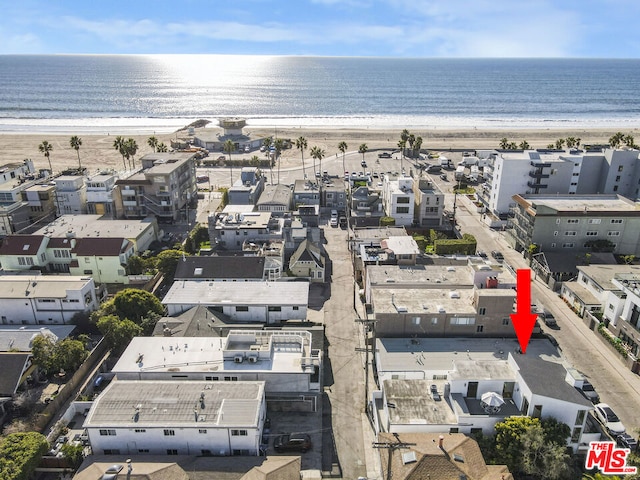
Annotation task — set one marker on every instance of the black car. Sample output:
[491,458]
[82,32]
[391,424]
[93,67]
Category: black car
[497,255]
[481,254]
[549,320]
[292,442]
[589,392]
[384,155]
[627,441]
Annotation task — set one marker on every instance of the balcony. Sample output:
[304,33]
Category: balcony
[533,184]
[538,173]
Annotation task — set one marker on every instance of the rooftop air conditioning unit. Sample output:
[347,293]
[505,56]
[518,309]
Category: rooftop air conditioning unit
[238,359]
[253,359]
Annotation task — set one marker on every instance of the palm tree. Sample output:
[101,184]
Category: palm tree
[417,145]
[629,141]
[278,144]
[504,143]
[363,149]
[342,146]
[578,140]
[229,147]
[301,144]
[616,140]
[318,154]
[153,143]
[46,148]
[524,145]
[411,139]
[570,142]
[75,142]
[162,147]
[120,144]
[559,143]
[267,145]
[131,146]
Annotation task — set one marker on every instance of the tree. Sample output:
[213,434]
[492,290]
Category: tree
[570,142]
[504,143]
[508,440]
[616,140]
[266,143]
[131,148]
[167,261]
[76,142]
[318,154]
[135,265]
[46,148]
[363,149]
[42,350]
[342,146]
[118,333]
[559,143]
[189,246]
[135,304]
[153,143]
[120,145]
[52,356]
[628,259]
[629,141]
[20,454]
[524,145]
[411,139]
[387,221]
[551,146]
[162,147]
[228,146]
[73,453]
[279,146]
[301,144]
[543,458]
[417,146]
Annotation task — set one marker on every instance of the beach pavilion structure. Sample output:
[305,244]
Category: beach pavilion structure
[232,129]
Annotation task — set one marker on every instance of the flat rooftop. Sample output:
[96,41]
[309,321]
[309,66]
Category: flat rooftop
[40,286]
[603,275]
[583,204]
[410,403]
[426,276]
[86,226]
[367,234]
[135,403]
[204,354]
[192,292]
[425,301]
[440,354]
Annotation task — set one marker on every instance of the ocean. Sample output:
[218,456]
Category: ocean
[87,93]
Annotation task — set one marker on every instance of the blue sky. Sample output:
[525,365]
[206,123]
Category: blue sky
[395,28]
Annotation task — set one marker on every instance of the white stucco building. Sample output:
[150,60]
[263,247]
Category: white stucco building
[283,359]
[436,385]
[262,302]
[177,418]
[44,300]
[399,199]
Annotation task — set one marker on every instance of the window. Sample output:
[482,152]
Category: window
[242,308]
[613,234]
[211,379]
[573,220]
[463,321]
[202,430]
[620,168]
[434,321]
[143,450]
[575,435]
[594,221]
[295,308]
[482,311]
[580,417]
[618,178]
[275,308]
[568,245]
[169,433]
[570,234]
[107,432]
[537,411]
[616,220]
[505,321]
[592,234]
[574,184]
[576,174]
[402,200]
[111,451]
[555,234]
[615,188]
[402,209]
[553,245]
[610,306]
[140,430]
[479,328]
[172,451]
[238,433]
[230,379]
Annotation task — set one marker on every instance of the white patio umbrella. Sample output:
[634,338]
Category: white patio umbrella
[492,399]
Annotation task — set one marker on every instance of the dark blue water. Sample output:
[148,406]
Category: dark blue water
[309,91]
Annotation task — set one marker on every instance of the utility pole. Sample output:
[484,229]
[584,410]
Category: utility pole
[368,324]
[391,446]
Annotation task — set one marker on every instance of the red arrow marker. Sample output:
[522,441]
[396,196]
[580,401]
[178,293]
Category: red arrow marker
[523,319]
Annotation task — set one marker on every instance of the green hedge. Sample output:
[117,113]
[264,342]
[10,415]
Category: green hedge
[464,246]
[20,454]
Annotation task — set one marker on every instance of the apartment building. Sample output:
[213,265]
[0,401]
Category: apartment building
[164,187]
[399,199]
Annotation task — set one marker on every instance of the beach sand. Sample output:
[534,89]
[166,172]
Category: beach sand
[97,151]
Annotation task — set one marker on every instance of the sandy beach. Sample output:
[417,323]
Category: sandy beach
[97,151]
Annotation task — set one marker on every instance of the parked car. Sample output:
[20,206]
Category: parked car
[292,442]
[609,419]
[497,255]
[363,164]
[384,155]
[548,319]
[343,222]
[589,392]
[627,441]
[333,222]
[443,176]
[481,254]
